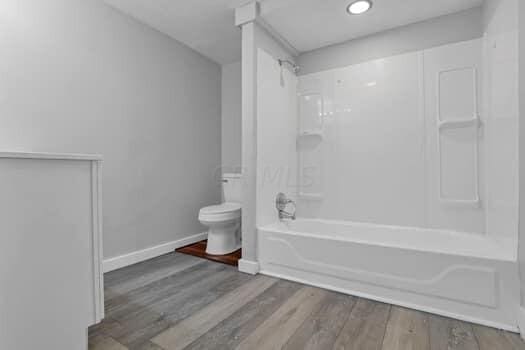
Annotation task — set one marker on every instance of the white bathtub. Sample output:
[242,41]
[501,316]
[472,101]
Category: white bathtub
[470,277]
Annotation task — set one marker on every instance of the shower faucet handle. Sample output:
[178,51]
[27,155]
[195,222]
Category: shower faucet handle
[281,201]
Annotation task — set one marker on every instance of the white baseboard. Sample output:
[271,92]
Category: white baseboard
[247,266]
[521,321]
[149,253]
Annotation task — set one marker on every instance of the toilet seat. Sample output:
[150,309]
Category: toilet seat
[221,212]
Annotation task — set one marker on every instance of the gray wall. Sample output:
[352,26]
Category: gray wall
[231,117]
[465,25]
[77,76]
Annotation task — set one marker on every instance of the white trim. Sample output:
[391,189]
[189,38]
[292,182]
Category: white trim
[521,321]
[247,266]
[460,317]
[277,36]
[97,249]
[52,156]
[149,253]
[251,12]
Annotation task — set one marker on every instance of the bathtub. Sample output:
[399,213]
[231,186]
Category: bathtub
[471,277]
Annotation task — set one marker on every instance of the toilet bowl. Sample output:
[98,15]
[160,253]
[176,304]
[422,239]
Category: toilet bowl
[224,220]
[223,223]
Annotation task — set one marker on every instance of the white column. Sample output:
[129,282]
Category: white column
[245,17]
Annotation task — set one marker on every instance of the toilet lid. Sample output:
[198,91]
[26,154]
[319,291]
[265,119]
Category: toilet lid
[221,208]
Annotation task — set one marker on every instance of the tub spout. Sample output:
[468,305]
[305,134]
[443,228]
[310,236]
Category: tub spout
[286,215]
[281,201]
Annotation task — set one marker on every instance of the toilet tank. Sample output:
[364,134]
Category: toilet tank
[231,188]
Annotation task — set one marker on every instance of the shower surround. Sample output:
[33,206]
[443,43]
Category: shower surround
[391,163]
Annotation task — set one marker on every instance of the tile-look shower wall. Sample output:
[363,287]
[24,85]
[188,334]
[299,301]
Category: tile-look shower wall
[373,148]
[367,164]
[501,111]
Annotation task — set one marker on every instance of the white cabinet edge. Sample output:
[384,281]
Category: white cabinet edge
[96,217]
[97,246]
[50,156]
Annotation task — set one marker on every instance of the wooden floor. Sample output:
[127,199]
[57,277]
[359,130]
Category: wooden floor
[199,250]
[181,302]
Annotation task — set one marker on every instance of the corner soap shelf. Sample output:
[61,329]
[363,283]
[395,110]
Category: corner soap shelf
[311,133]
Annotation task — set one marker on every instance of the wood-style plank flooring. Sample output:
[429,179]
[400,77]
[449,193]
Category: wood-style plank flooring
[179,301]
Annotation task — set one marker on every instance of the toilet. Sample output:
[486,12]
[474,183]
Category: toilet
[224,220]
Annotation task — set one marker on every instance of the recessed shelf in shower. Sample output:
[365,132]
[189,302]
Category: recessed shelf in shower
[458,124]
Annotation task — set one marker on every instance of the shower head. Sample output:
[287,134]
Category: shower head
[295,68]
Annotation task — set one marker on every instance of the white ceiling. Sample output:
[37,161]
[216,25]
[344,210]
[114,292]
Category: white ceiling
[208,27]
[311,24]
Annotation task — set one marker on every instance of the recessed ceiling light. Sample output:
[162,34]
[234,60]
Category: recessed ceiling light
[359,7]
